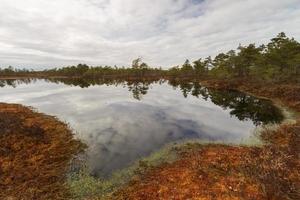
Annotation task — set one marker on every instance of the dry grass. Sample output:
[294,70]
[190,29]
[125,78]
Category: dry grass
[34,154]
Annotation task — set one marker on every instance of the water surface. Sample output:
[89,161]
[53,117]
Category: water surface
[124,121]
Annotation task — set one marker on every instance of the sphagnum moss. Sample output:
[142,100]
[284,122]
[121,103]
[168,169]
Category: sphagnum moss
[35,153]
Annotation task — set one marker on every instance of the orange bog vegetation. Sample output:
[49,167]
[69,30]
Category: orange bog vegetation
[34,154]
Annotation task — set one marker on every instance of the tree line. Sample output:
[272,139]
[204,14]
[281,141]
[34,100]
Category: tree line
[277,61]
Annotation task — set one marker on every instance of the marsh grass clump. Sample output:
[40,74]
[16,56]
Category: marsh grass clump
[35,153]
[82,185]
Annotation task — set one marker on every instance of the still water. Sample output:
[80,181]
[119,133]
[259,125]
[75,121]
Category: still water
[124,121]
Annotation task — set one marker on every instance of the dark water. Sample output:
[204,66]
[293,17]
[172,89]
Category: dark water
[124,121]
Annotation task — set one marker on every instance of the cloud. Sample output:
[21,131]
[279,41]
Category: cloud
[40,33]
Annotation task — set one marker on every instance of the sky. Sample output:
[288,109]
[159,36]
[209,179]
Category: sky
[41,34]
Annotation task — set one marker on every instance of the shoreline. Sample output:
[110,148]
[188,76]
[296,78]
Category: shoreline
[289,98]
[226,171]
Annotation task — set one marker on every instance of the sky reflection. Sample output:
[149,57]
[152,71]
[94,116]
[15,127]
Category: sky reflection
[119,129]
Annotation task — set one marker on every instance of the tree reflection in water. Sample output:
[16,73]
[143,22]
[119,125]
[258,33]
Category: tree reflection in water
[241,105]
[138,89]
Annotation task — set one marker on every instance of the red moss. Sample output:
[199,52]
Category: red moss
[34,154]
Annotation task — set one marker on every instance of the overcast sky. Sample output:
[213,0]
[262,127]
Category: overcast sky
[53,33]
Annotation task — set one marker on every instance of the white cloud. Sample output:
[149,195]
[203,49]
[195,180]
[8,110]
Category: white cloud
[40,33]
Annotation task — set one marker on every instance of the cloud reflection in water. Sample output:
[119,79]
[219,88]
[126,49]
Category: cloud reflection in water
[120,129]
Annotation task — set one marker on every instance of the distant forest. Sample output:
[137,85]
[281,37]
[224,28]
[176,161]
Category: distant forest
[277,61]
